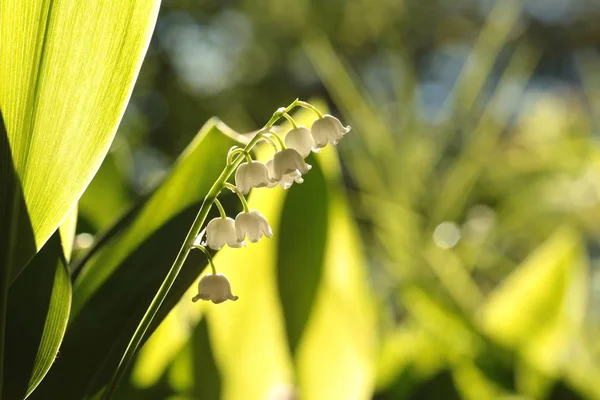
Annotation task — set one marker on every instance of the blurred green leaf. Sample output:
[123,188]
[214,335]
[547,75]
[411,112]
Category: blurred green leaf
[564,391]
[119,279]
[200,378]
[167,342]
[67,72]
[38,309]
[303,224]
[539,309]
[336,354]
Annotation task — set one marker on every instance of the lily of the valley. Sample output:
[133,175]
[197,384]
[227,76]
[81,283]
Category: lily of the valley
[286,181]
[251,175]
[253,225]
[214,287]
[301,140]
[327,130]
[221,232]
[287,161]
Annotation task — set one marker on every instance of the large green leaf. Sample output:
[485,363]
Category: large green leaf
[302,238]
[336,355]
[120,277]
[38,309]
[66,73]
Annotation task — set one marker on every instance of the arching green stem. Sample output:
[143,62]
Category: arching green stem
[208,257]
[270,140]
[310,107]
[233,152]
[273,135]
[221,209]
[239,194]
[290,120]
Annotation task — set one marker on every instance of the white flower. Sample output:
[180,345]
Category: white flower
[249,175]
[286,181]
[286,161]
[300,140]
[328,129]
[221,231]
[252,224]
[214,287]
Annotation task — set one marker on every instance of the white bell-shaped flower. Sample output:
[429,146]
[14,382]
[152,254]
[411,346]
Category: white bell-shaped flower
[327,130]
[221,232]
[214,287]
[251,175]
[252,224]
[287,161]
[301,140]
[286,181]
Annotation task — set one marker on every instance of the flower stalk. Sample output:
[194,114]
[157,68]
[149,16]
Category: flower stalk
[208,257]
[184,251]
[222,212]
[239,194]
[287,167]
[310,107]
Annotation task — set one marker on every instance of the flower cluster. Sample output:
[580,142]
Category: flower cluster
[287,167]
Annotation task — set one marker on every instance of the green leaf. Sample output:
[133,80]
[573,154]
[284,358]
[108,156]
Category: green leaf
[38,310]
[118,280]
[549,292]
[200,378]
[66,75]
[166,342]
[302,238]
[336,355]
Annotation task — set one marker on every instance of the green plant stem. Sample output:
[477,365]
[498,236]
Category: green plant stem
[233,152]
[163,291]
[291,120]
[221,209]
[269,139]
[271,134]
[310,107]
[239,194]
[208,257]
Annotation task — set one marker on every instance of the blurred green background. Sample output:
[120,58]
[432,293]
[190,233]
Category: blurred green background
[452,254]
